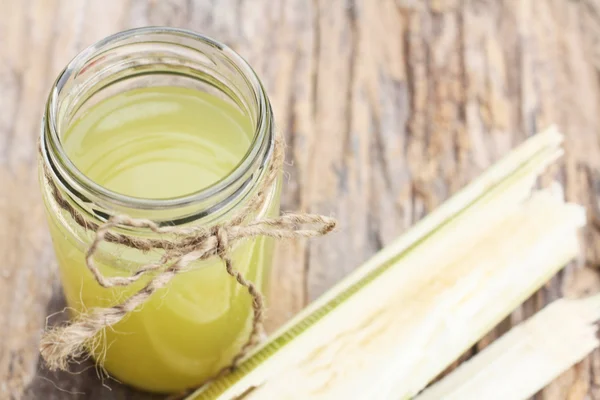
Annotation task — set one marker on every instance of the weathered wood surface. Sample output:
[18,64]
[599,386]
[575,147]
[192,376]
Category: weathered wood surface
[388,107]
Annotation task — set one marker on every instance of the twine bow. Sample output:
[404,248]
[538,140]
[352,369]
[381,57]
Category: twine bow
[62,344]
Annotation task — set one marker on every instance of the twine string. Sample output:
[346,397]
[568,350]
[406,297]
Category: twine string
[184,245]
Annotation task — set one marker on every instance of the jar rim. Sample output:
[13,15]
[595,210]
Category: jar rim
[256,157]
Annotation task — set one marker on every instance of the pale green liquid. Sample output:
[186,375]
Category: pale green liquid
[160,143]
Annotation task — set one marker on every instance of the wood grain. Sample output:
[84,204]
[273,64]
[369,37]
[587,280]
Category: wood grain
[388,107]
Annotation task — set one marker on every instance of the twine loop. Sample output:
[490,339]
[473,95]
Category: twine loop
[182,246]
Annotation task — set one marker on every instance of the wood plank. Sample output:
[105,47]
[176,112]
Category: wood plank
[387,106]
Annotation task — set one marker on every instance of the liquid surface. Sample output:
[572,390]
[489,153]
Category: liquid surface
[159,143]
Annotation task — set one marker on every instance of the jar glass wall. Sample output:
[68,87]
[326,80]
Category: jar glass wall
[192,328]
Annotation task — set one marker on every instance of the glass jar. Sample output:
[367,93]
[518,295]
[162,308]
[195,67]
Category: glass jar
[192,328]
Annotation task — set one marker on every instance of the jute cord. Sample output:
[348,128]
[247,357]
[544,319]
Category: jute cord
[184,245]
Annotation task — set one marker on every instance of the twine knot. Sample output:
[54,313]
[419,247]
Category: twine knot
[183,245]
[220,234]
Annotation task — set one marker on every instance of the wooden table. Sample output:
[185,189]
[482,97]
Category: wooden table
[388,107]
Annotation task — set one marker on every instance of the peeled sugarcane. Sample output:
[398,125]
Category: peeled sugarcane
[528,357]
[394,324]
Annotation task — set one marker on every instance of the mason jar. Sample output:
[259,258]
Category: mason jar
[109,146]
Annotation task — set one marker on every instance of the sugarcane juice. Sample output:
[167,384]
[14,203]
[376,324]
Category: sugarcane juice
[162,143]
